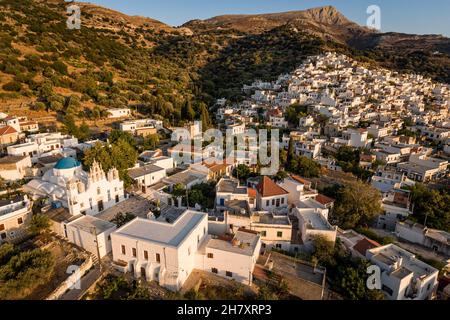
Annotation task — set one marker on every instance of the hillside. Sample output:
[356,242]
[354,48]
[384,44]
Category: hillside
[324,22]
[48,71]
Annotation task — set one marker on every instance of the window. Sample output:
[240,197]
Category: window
[3,236]
[278,202]
[2,227]
[273,202]
[109,195]
[268,203]
[109,237]
[204,230]
[278,246]
[282,200]
[214,270]
[123,249]
[210,256]
[134,252]
[263,233]
[189,251]
[229,274]
[20,221]
[280,234]
[145,254]
[98,190]
[198,239]
[158,258]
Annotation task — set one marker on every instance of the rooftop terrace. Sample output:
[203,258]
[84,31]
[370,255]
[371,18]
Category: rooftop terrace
[163,232]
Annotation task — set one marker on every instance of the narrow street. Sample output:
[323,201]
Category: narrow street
[86,282]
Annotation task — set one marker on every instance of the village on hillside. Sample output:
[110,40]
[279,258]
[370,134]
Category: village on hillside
[363,181]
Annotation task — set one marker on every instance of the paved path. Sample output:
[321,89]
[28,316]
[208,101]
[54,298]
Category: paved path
[86,283]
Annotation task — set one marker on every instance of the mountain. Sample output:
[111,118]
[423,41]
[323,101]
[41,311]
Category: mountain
[47,70]
[325,22]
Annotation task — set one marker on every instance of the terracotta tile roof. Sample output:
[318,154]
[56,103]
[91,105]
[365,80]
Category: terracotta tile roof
[268,188]
[215,167]
[301,180]
[365,244]
[251,192]
[324,199]
[7,130]
[275,113]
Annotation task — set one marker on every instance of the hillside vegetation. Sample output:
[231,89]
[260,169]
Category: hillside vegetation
[118,61]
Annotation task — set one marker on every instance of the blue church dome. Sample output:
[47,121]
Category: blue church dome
[67,163]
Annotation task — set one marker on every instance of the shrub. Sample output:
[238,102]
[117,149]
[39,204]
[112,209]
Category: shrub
[60,67]
[12,86]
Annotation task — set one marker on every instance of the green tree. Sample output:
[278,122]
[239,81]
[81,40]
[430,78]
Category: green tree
[242,172]
[115,135]
[431,207]
[295,112]
[188,112]
[323,252]
[99,153]
[357,204]
[39,223]
[304,166]
[206,122]
[151,142]
[178,190]
[23,272]
[195,197]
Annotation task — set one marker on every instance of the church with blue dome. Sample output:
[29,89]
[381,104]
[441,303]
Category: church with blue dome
[67,163]
[81,192]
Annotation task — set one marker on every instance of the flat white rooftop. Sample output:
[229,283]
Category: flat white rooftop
[391,253]
[246,243]
[171,234]
[92,224]
[315,220]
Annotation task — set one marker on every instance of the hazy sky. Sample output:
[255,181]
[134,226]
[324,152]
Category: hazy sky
[409,16]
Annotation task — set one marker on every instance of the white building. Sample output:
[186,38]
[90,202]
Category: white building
[160,251]
[147,175]
[403,276]
[169,252]
[436,240]
[44,144]
[270,196]
[14,167]
[119,113]
[298,189]
[91,234]
[357,138]
[313,222]
[77,190]
[14,215]
[234,258]
[236,129]
[423,168]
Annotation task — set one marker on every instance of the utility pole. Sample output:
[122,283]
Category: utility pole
[98,249]
[425,222]
[187,198]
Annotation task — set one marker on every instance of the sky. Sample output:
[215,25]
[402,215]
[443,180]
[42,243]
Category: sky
[408,16]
